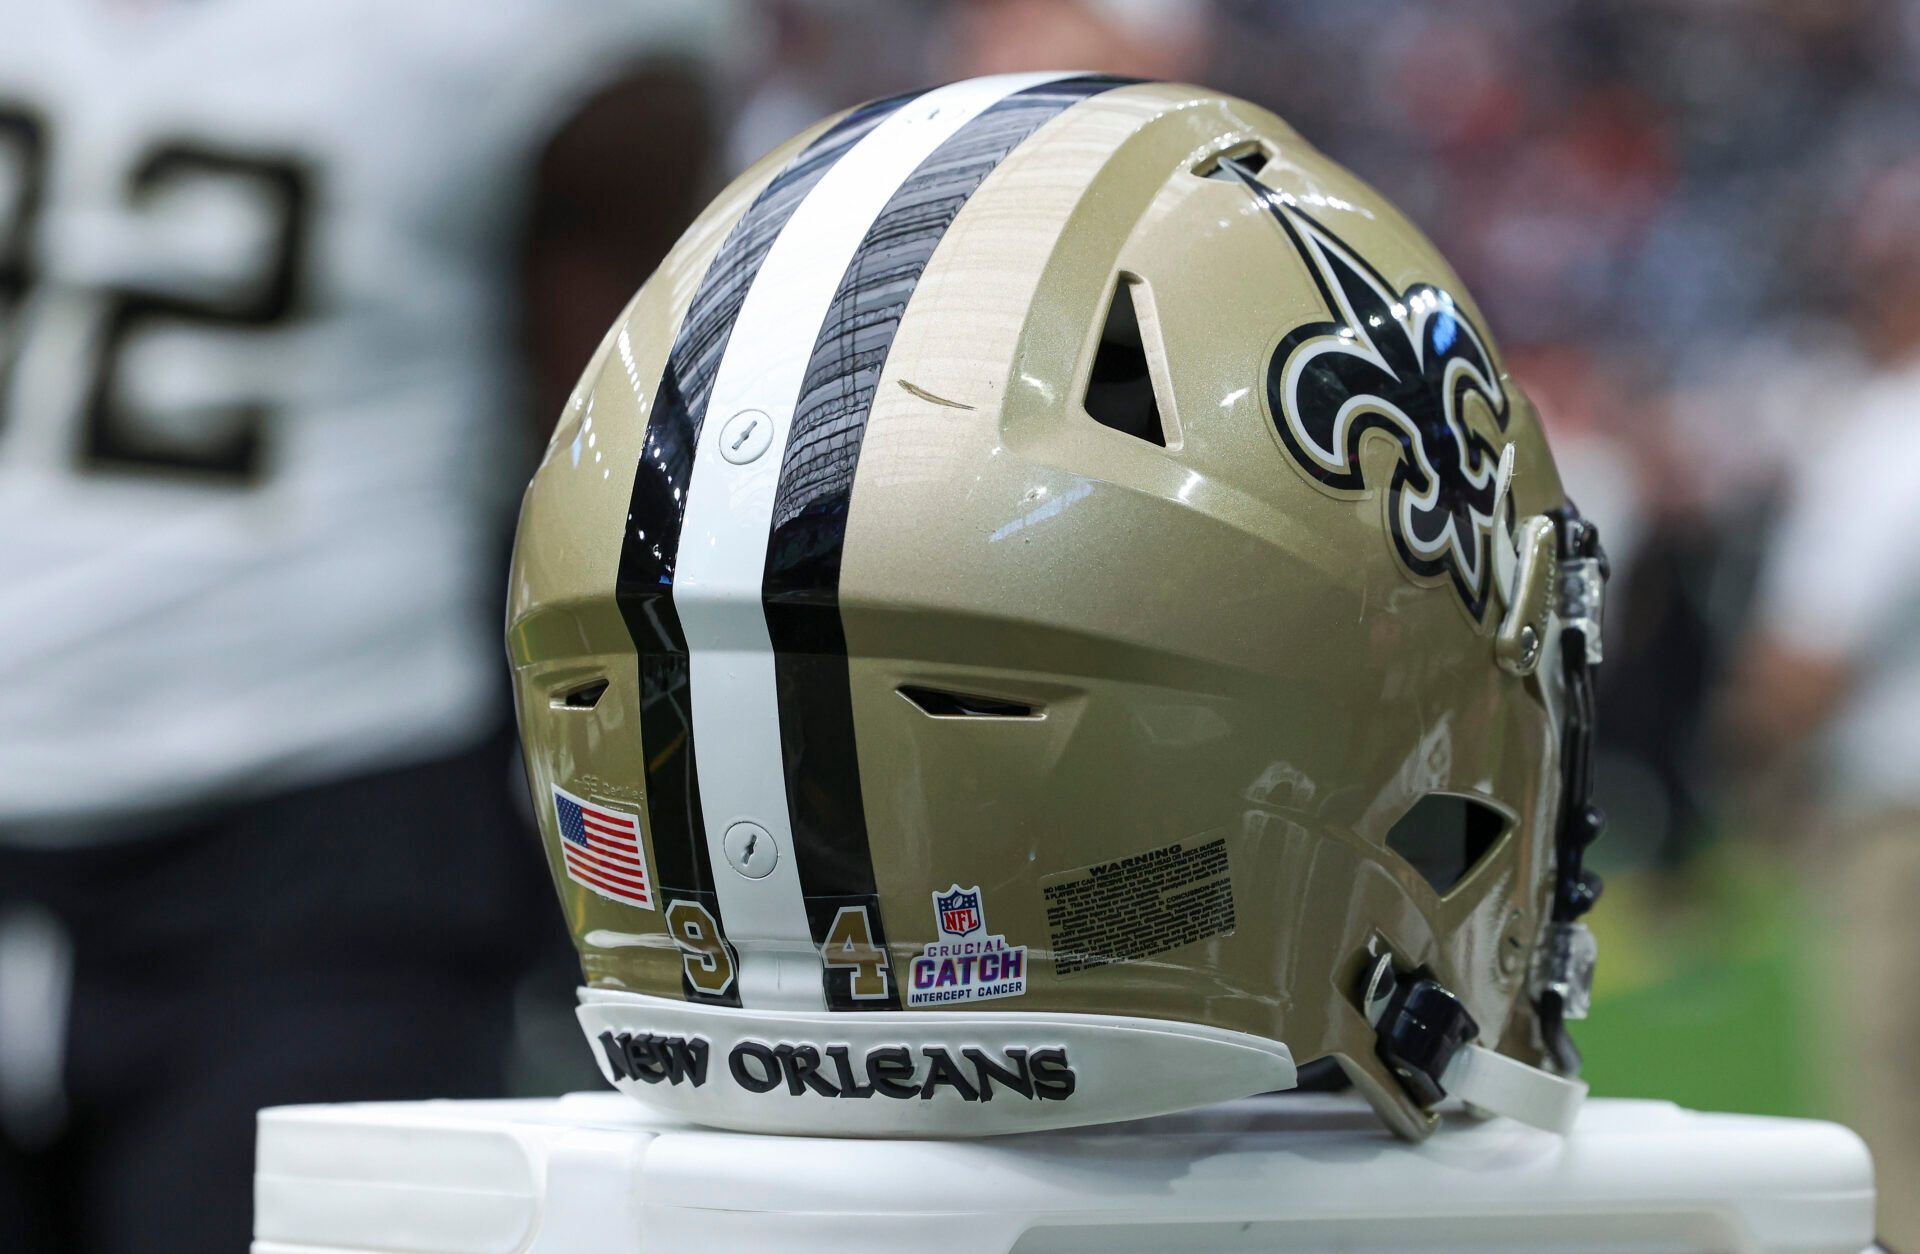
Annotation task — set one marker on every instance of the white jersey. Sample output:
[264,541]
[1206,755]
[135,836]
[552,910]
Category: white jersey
[259,386]
[1843,582]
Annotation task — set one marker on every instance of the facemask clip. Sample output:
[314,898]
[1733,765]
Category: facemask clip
[1563,966]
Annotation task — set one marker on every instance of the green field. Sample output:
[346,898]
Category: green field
[1705,993]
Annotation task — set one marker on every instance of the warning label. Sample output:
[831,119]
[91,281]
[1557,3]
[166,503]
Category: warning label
[1139,906]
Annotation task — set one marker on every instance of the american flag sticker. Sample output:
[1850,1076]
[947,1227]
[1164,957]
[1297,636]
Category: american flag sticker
[602,850]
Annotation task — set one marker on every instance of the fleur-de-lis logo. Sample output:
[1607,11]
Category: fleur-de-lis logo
[1399,362]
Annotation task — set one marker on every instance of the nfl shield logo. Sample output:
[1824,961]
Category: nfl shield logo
[959,910]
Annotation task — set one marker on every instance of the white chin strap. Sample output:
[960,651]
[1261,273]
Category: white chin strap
[1506,1086]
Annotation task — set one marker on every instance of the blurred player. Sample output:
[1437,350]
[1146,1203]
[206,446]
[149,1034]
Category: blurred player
[1836,661]
[819,55]
[1164,39]
[283,287]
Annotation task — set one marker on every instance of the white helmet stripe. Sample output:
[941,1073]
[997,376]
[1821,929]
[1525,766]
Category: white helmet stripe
[723,542]
[650,543]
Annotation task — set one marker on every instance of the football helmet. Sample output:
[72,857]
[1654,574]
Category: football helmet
[1048,609]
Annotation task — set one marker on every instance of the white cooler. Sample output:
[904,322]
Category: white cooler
[599,1174]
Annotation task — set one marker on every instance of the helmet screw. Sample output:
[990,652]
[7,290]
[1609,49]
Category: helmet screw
[745,436]
[1529,647]
[751,850]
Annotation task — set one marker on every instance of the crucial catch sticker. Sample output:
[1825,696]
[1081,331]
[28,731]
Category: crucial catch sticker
[966,963]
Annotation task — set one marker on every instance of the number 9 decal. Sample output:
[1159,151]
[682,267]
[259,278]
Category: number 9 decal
[704,954]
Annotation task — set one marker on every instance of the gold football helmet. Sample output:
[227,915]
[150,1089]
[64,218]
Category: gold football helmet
[1048,609]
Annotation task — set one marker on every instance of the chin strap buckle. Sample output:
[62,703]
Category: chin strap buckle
[1428,1039]
[1420,1027]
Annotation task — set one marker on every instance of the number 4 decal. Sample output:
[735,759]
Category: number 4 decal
[850,946]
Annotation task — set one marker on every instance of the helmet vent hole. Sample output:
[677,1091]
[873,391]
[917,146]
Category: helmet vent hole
[1120,390]
[584,697]
[1251,157]
[939,703]
[1444,837]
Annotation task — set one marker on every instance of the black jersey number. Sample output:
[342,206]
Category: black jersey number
[225,445]
[23,175]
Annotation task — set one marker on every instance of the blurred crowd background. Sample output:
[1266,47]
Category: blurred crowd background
[1695,228]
